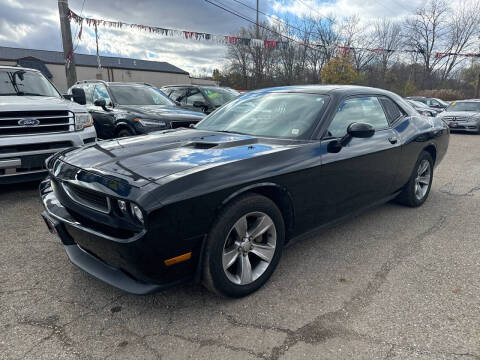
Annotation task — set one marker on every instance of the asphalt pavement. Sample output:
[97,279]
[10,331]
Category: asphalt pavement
[392,283]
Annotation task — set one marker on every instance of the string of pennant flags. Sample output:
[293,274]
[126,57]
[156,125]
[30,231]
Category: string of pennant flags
[234,40]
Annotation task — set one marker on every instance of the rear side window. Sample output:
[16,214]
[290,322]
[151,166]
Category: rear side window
[392,109]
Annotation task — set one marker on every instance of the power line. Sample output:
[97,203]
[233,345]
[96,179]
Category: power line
[253,22]
[270,16]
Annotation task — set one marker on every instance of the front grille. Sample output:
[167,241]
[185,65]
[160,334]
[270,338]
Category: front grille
[35,122]
[178,124]
[87,197]
[455,118]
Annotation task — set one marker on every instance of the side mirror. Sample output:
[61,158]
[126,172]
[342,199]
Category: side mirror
[177,103]
[360,130]
[102,103]
[357,130]
[78,95]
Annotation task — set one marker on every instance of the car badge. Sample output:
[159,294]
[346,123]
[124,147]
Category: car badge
[28,122]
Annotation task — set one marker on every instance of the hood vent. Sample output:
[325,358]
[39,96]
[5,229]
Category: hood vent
[201,145]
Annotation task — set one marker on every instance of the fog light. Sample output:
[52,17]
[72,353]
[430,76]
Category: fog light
[122,205]
[137,212]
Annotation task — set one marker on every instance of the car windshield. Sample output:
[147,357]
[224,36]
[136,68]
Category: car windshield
[219,96]
[288,115]
[417,103]
[139,95]
[24,82]
[464,106]
[441,102]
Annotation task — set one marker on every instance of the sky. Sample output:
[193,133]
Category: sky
[35,24]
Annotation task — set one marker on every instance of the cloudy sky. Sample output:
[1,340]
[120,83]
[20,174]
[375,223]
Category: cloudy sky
[35,24]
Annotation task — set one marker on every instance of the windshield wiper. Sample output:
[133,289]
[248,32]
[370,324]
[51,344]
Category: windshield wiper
[232,132]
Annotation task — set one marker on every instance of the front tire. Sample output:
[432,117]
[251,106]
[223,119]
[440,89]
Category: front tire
[244,246]
[124,132]
[418,187]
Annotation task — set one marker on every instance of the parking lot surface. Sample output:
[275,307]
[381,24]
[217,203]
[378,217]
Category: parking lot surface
[392,283]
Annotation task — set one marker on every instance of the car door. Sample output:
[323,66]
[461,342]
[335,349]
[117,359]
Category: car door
[104,121]
[362,172]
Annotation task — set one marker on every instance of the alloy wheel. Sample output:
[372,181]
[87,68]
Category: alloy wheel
[249,248]
[423,179]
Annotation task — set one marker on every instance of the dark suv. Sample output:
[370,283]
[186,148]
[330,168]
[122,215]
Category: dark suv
[203,98]
[125,109]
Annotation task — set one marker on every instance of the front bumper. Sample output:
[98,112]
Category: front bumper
[471,126]
[121,263]
[22,158]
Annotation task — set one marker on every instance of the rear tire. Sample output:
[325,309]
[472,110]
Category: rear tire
[244,246]
[418,187]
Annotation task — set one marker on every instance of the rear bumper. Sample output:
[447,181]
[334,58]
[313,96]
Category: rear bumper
[118,262]
[22,158]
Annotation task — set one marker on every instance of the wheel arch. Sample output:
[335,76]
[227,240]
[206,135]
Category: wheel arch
[123,125]
[432,150]
[275,192]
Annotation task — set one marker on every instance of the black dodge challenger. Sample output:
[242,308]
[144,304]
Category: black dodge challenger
[217,203]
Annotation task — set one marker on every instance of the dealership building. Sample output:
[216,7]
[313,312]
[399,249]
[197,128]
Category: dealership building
[52,65]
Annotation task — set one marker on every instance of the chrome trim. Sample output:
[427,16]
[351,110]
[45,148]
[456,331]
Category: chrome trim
[32,152]
[10,163]
[82,202]
[68,116]
[24,173]
[33,126]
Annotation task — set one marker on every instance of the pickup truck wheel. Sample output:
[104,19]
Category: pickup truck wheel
[418,187]
[244,246]
[124,132]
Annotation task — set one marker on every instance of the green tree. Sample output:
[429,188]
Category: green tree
[339,70]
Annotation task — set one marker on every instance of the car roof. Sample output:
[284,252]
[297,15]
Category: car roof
[7,67]
[111,83]
[337,90]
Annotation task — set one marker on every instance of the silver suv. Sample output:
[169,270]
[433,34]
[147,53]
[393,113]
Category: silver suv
[36,122]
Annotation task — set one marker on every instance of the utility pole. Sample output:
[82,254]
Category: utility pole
[70,71]
[257,22]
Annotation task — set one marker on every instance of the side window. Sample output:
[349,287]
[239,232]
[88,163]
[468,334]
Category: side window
[88,88]
[100,92]
[392,109]
[194,95]
[178,95]
[359,109]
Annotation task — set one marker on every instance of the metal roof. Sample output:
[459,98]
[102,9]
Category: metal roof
[56,57]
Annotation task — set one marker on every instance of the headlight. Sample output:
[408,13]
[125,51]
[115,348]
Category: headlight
[83,120]
[151,122]
[137,212]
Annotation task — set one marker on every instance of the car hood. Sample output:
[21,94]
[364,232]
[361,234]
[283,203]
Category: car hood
[147,158]
[460,114]
[165,112]
[32,103]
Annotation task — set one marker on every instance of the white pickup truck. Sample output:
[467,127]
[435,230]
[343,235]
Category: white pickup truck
[36,122]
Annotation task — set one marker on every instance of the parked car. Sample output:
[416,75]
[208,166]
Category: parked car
[430,102]
[463,115]
[216,203]
[35,122]
[203,98]
[423,109]
[126,109]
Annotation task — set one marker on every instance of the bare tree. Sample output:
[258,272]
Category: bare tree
[359,38]
[425,31]
[387,37]
[463,27]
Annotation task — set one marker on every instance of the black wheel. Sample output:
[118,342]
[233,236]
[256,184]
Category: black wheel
[418,187]
[124,132]
[244,246]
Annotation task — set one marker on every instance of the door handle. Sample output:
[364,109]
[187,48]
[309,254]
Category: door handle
[393,139]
